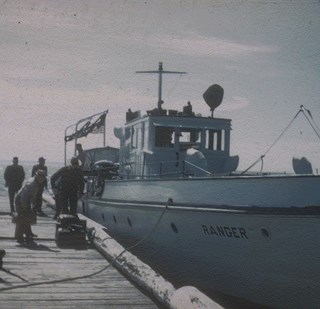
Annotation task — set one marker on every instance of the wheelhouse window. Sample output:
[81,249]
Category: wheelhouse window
[187,138]
[189,135]
[140,138]
[133,138]
[164,137]
[215,140]
[137,138]
[184,137]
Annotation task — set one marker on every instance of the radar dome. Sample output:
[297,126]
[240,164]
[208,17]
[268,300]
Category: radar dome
[213,96]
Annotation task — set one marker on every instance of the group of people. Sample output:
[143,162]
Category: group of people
[26,199]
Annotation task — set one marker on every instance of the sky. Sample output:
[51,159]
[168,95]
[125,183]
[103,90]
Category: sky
[64,60]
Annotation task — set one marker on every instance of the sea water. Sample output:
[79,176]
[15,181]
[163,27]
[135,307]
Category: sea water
[52,167]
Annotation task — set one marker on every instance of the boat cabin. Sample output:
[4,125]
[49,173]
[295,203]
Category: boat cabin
[171,143]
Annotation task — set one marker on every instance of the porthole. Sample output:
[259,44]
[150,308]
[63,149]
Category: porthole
[265,233]
[174,227]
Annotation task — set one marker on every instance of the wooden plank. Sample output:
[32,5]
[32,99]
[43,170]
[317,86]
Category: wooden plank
[39,275]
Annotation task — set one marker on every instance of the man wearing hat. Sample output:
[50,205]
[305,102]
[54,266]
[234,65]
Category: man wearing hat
[38,201]
[14,177]
[71,185]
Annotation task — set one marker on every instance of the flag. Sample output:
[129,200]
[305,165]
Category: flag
[95,128]
[98,126]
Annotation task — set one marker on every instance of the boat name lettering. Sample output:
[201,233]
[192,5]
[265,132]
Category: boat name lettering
[224,231]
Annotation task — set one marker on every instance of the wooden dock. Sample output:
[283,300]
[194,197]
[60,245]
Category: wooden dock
[41,275]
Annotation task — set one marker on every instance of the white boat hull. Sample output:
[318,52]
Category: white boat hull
[253,238]
[269,191]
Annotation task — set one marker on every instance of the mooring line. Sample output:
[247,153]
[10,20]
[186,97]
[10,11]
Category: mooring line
[169,202]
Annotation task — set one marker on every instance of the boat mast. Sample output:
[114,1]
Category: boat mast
[160,71]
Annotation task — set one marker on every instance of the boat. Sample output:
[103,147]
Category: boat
[171,193]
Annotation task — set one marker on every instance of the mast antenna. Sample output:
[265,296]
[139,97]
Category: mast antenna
[160,71]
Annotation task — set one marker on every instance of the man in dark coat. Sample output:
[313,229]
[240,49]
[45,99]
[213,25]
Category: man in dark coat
[38,201]
[71,185]
[14,177]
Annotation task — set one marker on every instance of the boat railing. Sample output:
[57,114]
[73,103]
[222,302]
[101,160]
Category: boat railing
[181,168]
[167,169]
[149,176]
[185,162]
[184,171]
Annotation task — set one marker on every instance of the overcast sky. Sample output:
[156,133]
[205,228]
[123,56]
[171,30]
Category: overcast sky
[64,60]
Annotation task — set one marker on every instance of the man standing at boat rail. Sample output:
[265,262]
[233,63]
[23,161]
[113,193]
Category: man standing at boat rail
[38,201]
[71,181]
[14,177]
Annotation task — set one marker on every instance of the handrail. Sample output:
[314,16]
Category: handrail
[198,167]
[160,174]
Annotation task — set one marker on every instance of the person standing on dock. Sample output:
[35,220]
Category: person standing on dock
[38,201]
[23,201]
[71,184]
[14,177]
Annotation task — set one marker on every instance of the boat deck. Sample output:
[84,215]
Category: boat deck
[41,275]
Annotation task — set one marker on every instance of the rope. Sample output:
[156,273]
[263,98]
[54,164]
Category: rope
[312,124]
[287,127]
[279,137]
[55,281]
[169,202]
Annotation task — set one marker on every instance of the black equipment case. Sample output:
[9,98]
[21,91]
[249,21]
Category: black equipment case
[70,231]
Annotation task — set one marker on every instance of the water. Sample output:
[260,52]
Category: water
[52,167]
[183,277]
